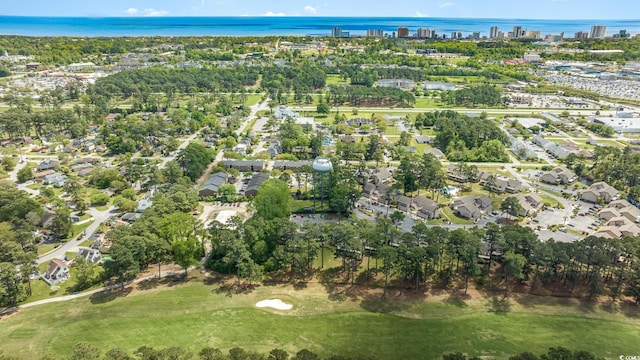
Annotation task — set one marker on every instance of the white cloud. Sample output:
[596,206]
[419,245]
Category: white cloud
[419,14]
[131,11]
[271,13]
[310,9]
[447,4]
[154,12]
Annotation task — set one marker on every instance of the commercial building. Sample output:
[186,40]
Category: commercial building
[620,125]
[397,83]
[440,86]
[530,58]
[598,32]
[403,32]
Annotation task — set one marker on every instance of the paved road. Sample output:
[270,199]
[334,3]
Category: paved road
[72,245]
[254,110]
[95,291]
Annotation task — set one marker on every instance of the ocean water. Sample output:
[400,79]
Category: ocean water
[294,25]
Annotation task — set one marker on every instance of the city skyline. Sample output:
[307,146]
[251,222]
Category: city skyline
[498,9]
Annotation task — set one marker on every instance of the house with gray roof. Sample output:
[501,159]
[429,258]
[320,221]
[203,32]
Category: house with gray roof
[89,254]
[255,183]
[244,165]
[471,207]
[48,165]
[600,191]
[424,139]
[290,165]
[55,179]
[559,175]
[210,187]
[435,152]
[425,208]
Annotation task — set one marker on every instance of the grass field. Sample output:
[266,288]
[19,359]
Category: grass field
[324,320]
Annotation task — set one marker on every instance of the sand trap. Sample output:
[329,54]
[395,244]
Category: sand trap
[274,303]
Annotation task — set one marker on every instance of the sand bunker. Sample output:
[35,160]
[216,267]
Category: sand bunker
[274,303]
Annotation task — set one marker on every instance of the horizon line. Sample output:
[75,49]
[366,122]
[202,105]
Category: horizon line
[310,16]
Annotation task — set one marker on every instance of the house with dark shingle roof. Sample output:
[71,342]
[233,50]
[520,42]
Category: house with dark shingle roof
[210,187]
[57,272]
[255,183]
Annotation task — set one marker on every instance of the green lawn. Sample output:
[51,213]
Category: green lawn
[428,103]
[43,249]
[336,80]
[194,315]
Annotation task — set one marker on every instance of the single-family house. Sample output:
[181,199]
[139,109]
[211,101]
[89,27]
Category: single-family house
[130,217]
[57,272]
[424,139]
[435,152]
[89,254]
[213,183]
[600,191]
[79,167]
[48,165]
[143,205]
[55,179]
[39,176]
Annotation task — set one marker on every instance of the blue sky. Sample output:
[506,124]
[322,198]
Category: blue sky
[507,9]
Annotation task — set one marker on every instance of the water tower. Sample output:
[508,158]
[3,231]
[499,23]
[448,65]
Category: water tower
[322,169]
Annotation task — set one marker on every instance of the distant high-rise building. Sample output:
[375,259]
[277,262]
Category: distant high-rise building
[336,32]
[454,35]
[459,35]
[375,33]
[534,34]
[476,35]
[403,32]
[622,34]
[581,35]
[517,32]
[423,33]
[500,35]
[493,33]
[598,32]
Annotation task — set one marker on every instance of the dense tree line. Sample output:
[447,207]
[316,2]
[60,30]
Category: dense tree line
[19,216]
[86,351]
[165,232]
[301,79]
[142,83]
[619,168]
[368,77]
[368,96]
[194,160]
[486,95]
[469,139]
[293,135]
